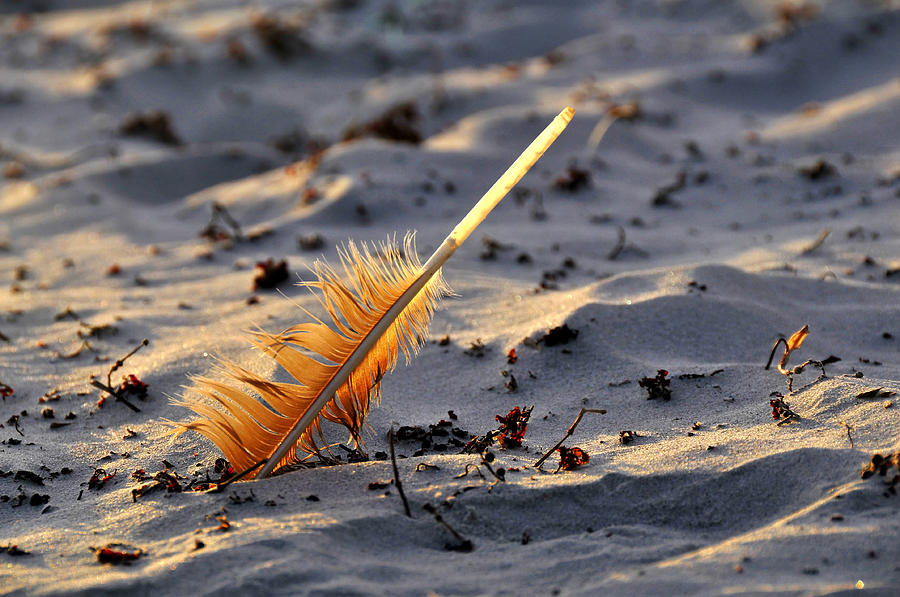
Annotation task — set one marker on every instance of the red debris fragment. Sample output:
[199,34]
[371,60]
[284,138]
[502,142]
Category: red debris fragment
[224,468]
[14,550]
[398,123]
[117,553]
[513,426]
[573,180]
[781,409]
[99,478]
[511,356]
[132,385]
[657,387]
[270,274]
[572,458]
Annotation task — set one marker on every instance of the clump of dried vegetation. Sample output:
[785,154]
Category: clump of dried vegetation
[882,465]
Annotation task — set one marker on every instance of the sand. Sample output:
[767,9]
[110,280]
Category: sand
[685,241]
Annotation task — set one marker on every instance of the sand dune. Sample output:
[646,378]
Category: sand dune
[755,190]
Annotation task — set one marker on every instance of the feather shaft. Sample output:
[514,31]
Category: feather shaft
[456,237]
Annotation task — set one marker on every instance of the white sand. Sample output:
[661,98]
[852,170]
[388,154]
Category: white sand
[736,506]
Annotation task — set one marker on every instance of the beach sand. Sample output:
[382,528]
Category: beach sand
[751,187]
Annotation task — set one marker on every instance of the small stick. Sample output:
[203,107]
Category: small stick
[774,347]
[620,244]
[849,429]
[472,465]
[108,388]
[397,482]
[115,394]
[15,422]
[464,544]
[121,362]
[571,430]
[599,130]
[799,369]
[221,486]
[85,345]
[220,210]
[816,243]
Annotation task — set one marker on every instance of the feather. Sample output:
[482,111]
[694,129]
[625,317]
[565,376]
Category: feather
[378,310]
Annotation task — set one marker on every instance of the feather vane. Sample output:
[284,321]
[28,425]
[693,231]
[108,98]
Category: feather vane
[248,427]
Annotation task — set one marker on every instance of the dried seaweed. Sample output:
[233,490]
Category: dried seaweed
[270,274]
[513,426]
[214,231]
[281,38]
[397,123]
[152,124]
[438,437]
[572,458]
[99,478]
[131,383]
[657,387]
[117,553]
[818,170]
[13,550]
[573,180]
[790,345]
[881,465]
[559,335]
[781,410]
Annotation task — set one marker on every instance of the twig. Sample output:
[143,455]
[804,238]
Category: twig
[14,420]
[220,209]
[620,244]
[85,345]
[221,486]
[108,388]
[397,482]
[571,430]
[213,232]
[121,361]
[849,430]
[799,369]
[464,544]
[816,243]
[466,472]
[599,130]
[115,394]
[774,347]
